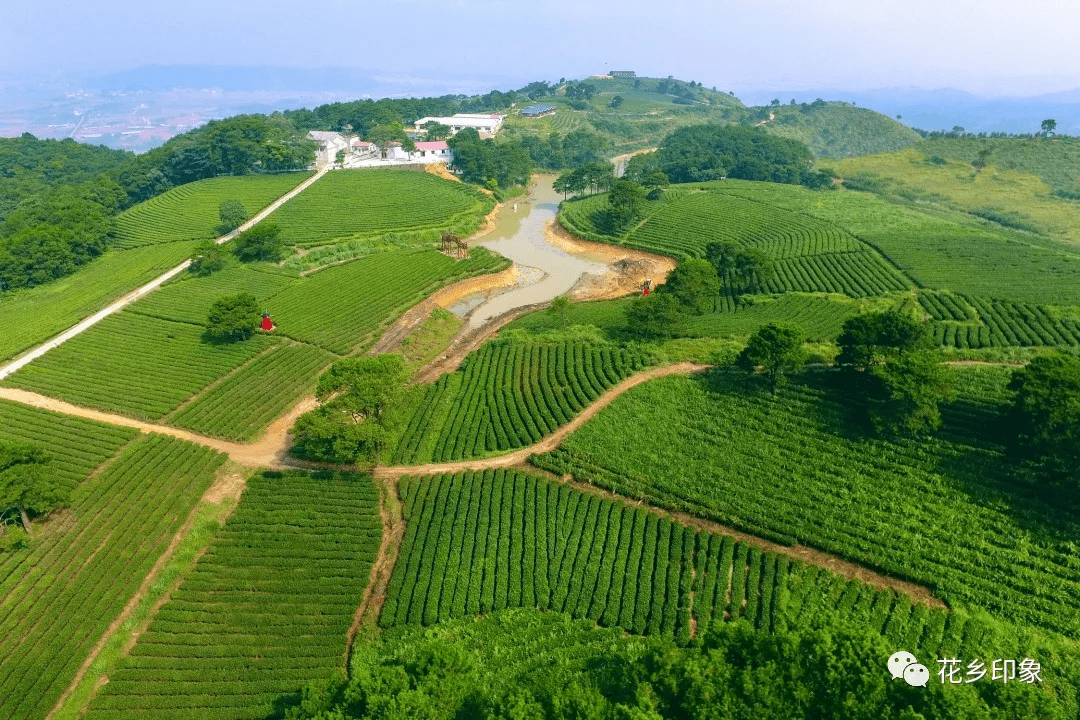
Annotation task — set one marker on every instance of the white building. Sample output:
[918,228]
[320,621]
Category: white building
[480,122]
[431,152]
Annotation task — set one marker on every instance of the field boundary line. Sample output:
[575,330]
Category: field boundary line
[118,305]
[133,602]
[195,396]
[550,442]
[393,531]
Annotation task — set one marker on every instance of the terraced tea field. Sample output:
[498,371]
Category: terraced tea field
[190,211]
[244,403]
[510,395]
[264,611]
[481,543]
[188,298]
[738,457]
[76,445]
[60,596]
[342,308]
[134,364]
[369,203]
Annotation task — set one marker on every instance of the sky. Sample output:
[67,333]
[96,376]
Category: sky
[988,47]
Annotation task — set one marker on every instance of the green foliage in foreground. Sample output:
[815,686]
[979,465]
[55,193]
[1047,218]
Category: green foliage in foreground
[266,608]
[25,484]
[776,349]
[233,317]
[953,512]
[472,670]
[134,364]
[1047,412]
[61,595]
[360,411]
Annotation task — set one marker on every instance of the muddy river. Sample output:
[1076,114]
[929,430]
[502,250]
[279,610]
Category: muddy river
[545,271]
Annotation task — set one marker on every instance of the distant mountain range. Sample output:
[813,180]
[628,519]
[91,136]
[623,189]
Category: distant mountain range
[942,109]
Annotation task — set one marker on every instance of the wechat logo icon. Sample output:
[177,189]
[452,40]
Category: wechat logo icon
[903,664]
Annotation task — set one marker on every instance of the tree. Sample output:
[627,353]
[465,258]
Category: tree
[360,410]
[694,283]
[262,242]
[905,393]
[872,338]
[25,486]
[776,348]
[339,157]
[624,206]
[208,257]
[560,309]
[657,315]
[233,214]
[1049,126]
[1046,412]
[233,317]
[616,101]
[742,270]
[434,130]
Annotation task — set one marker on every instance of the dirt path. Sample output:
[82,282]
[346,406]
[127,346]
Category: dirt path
[117,306]
[548,443]
[393,524]
[270,451]
[619,161]
[224,485]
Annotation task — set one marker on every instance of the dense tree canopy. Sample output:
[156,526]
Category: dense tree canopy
[834,673]
[697,153]
[361,409]
[58,198]
[262,242]
[25,486]
[486,161]
[233,317]
[1046,413]
[775,348]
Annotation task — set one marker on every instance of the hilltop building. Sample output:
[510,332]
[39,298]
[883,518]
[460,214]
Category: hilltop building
[622,74]
[482,123]
[535,111]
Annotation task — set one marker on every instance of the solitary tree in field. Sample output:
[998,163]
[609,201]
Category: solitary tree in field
[1046,412]
[25,486]
[560,309]
[1049,126]
[905,393]
[695,284]
[233,214]
[234,317]
[657,315]
[360,411]
[262,242]
[208,257]
[776,349]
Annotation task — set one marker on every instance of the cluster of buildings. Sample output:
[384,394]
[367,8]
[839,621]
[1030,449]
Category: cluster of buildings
[363,153]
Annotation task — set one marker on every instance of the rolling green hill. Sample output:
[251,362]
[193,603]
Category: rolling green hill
[652,108]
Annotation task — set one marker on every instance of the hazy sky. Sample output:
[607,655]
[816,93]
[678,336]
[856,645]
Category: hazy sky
[985,46]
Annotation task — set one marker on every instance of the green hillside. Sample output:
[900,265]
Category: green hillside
[836,129]
[652,108]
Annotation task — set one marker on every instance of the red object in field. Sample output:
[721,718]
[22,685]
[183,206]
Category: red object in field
[267,323]
[646,287]
[645,292]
